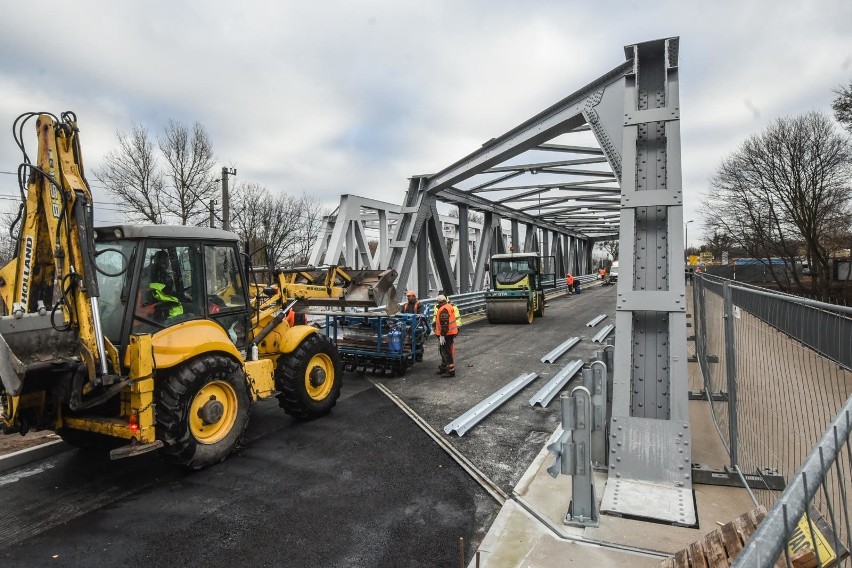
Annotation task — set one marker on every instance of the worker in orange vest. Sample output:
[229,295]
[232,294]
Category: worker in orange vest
[446,328]
[412,305]
[602,273]
[569,280]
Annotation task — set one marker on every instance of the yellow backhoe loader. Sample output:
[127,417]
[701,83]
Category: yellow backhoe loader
[139,338]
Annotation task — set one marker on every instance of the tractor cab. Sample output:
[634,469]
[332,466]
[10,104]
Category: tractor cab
[153,277]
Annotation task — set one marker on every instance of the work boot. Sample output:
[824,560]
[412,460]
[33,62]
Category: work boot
[447,374]
[441,370]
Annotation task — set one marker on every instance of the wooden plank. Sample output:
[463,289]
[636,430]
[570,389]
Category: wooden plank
[696,555]
[682,559]
[731,540]
[715,550]
[745,528]
[804,559]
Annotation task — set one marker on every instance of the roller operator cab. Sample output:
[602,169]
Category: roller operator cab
[517,285]
[139,338]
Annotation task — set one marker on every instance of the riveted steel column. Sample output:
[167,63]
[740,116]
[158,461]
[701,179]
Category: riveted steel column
[650,407]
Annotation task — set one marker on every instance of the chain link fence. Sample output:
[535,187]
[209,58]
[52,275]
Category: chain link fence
[776,370]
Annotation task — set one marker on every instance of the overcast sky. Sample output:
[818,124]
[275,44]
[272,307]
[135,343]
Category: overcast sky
[355,97]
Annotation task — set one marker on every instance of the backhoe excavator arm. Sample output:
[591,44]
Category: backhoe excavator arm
[54,270]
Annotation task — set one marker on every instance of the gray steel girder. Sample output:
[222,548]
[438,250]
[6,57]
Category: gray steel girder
[650,418]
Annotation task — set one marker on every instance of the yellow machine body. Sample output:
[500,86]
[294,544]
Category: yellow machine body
[104,356]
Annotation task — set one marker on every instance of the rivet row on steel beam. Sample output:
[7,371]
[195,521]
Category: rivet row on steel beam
[550,390]
[473,416]
[557,351]
[601,335]
[596,320]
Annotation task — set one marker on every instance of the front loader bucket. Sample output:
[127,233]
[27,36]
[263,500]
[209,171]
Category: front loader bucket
[31,344]
[371,289]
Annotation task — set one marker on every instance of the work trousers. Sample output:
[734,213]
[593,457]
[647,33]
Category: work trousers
[448,353]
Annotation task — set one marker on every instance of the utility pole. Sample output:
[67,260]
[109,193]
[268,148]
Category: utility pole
[226,204]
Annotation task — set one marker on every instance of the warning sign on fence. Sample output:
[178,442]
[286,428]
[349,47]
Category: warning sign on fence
[812,529]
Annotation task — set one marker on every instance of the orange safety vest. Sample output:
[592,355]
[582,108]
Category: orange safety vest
[452,326]
[416,310]
[569,279]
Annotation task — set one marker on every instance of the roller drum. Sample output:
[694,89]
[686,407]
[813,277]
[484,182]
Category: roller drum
[509,311]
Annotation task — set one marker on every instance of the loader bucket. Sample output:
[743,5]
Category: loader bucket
[30,345]
[372,288]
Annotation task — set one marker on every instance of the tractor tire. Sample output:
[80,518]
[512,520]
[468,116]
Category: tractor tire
[197,433]
[309,378]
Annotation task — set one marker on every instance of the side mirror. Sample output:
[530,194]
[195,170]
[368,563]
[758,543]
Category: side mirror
[487,267]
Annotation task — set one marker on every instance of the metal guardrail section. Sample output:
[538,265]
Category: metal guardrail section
[548,391]
[559,350]
[474,302]
[595,321]
[601,335]
[826,328]
[572,456]
[476,414]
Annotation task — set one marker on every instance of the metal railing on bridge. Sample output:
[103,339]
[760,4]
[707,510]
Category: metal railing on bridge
[776,373]
[474,302]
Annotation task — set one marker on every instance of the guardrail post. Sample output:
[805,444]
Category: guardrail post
[596,383]
[731,371]
[574,457]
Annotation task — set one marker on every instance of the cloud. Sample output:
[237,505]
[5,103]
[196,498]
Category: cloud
[343,97]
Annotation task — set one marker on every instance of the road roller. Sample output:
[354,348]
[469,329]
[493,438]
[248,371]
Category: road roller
[517,287]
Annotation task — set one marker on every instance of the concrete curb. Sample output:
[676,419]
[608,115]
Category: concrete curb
[28,455]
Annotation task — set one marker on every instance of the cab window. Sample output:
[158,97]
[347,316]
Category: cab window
[226,296]
[171,288]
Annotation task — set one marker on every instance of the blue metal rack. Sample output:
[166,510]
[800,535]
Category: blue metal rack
[377,343]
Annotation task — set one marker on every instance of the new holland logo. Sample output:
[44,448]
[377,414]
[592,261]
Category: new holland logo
[25,276]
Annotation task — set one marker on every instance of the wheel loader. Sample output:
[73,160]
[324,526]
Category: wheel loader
[516,294]
[136,338]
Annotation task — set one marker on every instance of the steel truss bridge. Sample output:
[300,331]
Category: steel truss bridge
[603,161]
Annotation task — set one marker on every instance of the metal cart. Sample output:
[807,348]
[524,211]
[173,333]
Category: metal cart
[374,342]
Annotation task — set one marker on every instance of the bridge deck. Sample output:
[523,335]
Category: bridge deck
[509,446]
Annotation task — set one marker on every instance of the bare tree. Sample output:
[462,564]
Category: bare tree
[311,222]
[611,248]
[783,190]
[842,106]
[175,184]
[190,169]
[285,226]
[8,235]
[131,175]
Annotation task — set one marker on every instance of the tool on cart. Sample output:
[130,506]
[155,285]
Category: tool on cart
[517,287]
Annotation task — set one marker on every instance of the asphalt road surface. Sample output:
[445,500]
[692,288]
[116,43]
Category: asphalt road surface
[363,486]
